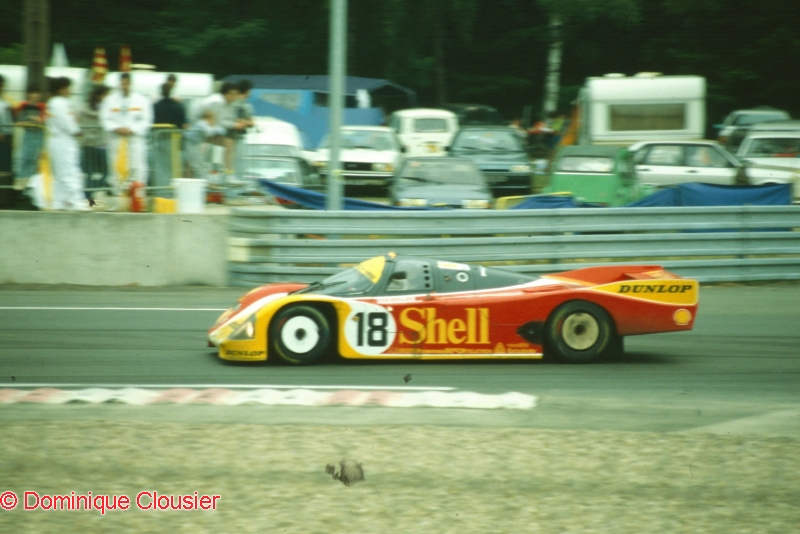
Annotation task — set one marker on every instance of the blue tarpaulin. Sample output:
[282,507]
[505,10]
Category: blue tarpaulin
[696,194]
[536,202]
[317,201]
[693,194]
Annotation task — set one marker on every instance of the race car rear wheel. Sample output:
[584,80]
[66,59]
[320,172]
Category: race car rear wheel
[300,334]
[579,332]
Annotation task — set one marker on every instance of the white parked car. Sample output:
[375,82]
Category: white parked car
[369,155]
[423,131]
[772,156]
[269,131]
[738,123]
[666,163]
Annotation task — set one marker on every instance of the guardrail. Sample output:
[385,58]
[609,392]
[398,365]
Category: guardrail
[712,244]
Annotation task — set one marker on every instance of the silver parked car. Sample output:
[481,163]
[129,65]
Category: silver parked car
[666,163]
[440,182]
[738,123]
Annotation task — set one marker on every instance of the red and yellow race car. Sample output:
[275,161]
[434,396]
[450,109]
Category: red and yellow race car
[391,307]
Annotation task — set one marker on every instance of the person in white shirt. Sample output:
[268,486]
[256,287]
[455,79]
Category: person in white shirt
[62,147]
[127,118]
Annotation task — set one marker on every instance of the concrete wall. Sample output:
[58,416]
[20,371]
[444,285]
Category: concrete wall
[95,248]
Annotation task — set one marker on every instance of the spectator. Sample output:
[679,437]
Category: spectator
[62,147]
[168,110]
[244,108]
[244,114]
[6,177]
[520,132]
[171,81]
[197,137]
[226,115]
[168,115]
[29,116]
[127,118]
[94,159]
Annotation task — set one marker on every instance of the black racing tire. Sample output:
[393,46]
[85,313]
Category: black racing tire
[299,335]
[579,331]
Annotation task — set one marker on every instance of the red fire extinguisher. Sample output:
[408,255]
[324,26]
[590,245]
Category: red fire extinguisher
[136,194]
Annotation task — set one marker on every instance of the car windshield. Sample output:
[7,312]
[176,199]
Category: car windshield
[774,147]
[285,151]
[364,139]
[279,170]
[440,171]
[585,164]
[753,118]
[487,140]
[356,280]
[430,125]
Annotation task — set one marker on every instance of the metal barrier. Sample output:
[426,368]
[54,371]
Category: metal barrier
[711,244]
[170,153]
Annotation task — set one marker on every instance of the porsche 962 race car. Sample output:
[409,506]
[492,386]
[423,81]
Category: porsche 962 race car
[391,307]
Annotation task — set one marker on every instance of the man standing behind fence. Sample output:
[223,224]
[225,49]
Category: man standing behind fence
[127,118]
[62,147]
[226,115]
[30,116]
[5,146]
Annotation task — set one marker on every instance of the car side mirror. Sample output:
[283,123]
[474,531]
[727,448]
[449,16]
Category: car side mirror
[447,149]
[403,149]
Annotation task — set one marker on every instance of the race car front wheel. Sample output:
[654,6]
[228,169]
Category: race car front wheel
[579,332]
[300,334]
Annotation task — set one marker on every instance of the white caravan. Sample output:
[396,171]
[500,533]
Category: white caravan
[620,110]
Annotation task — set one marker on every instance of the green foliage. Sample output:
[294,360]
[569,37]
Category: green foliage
[12,55]
[492,51]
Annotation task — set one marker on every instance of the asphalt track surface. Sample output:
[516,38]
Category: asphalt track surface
[737,372]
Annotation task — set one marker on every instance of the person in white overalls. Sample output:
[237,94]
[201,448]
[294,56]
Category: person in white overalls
[127,117]
[62,147]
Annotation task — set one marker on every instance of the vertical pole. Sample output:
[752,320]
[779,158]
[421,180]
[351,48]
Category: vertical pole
[553,66]
[36,35]
[336,76]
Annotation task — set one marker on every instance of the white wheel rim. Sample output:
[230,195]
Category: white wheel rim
[300,334]
[580,331]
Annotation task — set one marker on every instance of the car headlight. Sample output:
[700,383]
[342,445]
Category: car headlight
[416,202]
[246,330]
[475,204]
[521,168]
[227,313]
[321,165]
[382,167]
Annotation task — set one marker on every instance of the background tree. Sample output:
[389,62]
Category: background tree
[483,51]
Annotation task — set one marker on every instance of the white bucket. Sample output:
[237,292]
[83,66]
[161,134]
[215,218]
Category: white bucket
[190,194]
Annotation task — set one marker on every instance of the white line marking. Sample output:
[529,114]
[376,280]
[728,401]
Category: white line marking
[228,386]
[113,309]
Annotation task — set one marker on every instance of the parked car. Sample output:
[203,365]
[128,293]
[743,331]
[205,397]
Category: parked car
[369,155]
[450,182]
[734,128]
[278,163]
[271,131]
[284,169]
[424,132]
[499,154]
[662,164]
[596,174]
[772,156]
[476,115]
